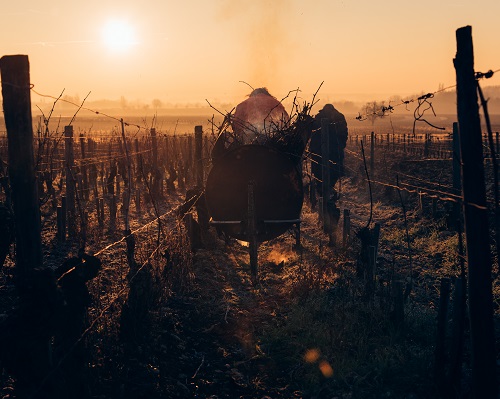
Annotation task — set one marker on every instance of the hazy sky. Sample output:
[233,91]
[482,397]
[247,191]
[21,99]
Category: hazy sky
[192,50]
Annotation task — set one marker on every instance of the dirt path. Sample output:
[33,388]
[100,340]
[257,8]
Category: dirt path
[217,352]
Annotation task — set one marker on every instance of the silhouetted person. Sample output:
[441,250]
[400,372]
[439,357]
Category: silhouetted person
[254,120]
[258,116]
[337,141]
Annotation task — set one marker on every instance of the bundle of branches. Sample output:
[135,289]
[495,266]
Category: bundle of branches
[288,136]
[294,136]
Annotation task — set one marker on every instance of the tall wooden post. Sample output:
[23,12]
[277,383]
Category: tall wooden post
[427,142]
[188,161]
[154,144]
[372,153]
[15,76]
[325,168]
[138,168]
[127,195]
[156,172]
[457,180]
[198,148]
[70,179]
[83,169]
[457,175]
[476,221]
[36,361]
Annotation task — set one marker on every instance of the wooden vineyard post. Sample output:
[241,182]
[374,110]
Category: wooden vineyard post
[198,157]
[457,176]
[118,187]
[207,151]
[15,75]
[201,209]
[252,233]
[296,230]
[476,222]
[188,160]
[421,207]
[372,153]
[96,196]
[127,195]
[138,160]
[325,166]
[156,172]
[154,144]
[83,168]
[70,179]
[33,288]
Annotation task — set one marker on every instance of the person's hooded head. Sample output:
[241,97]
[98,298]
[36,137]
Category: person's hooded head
[259,114]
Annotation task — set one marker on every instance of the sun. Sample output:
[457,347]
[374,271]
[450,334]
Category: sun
[118,35]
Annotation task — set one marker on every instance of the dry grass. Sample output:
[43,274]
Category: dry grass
[307,330]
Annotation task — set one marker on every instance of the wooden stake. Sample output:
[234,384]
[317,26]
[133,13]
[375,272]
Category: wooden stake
[155,182]
[15,75]
[476,222]
[69,158]
[372,153]
[83,169]
[457,175]
[325,167]
[128,194]
[198,147]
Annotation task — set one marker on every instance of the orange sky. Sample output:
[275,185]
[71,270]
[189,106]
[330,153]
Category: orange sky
[192,50]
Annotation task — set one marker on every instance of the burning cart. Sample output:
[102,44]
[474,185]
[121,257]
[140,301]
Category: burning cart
[254,190]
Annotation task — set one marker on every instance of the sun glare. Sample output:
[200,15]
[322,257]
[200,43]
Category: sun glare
[118,35]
